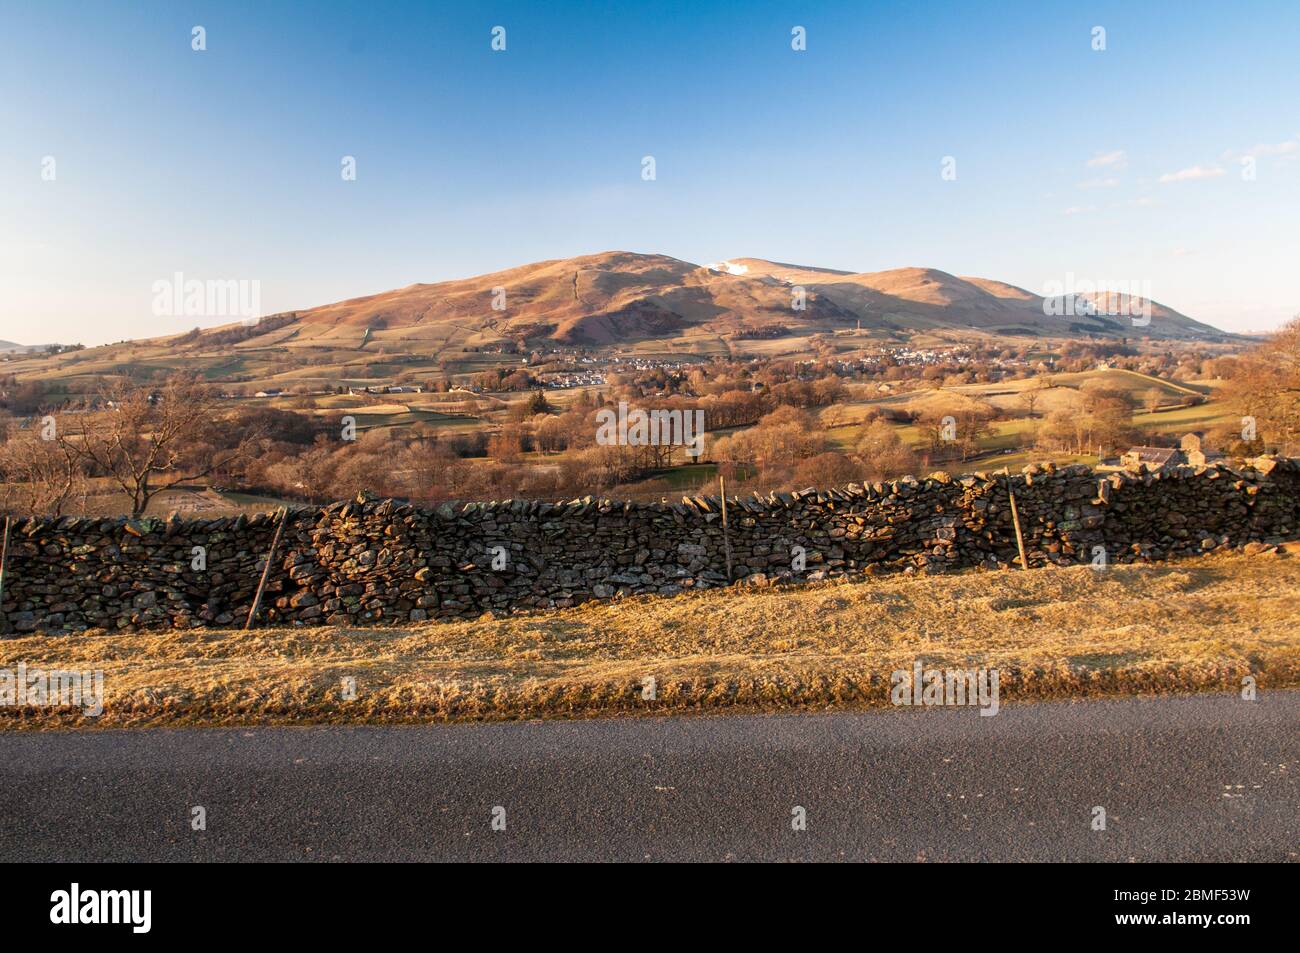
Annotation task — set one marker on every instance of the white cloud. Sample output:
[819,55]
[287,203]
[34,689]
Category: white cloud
[1115,160]
[1288,150]
[1078,209]
[1276,149]
[1098,184]
[1193,173]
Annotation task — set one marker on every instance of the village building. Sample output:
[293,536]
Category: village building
[387,389]
[1154,458]
[1191,451]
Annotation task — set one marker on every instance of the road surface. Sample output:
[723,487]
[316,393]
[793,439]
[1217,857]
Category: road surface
[1202,778]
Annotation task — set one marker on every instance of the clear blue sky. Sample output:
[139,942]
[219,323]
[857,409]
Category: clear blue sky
[225,164]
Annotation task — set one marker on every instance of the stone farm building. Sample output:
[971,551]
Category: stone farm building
[1190,451]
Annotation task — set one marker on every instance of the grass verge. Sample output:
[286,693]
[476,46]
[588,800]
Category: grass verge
[1199,625]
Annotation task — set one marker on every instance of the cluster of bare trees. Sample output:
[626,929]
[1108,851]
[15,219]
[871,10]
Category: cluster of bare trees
[136,439]
[957,434]
[1266,388]
[780,439]
[38,475]
[1094,419]
[791,446]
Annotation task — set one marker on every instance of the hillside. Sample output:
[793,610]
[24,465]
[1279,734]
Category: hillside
[925,298]
[608,303]
[617,297]
[592,300]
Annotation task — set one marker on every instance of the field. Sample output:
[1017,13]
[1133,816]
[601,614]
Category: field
[1003,446]
[381,416]
[189,501]
[1196,625]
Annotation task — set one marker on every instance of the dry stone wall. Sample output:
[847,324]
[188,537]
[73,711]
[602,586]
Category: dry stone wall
[377,562]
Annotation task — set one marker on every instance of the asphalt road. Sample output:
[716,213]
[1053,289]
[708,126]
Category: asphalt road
[1204,778]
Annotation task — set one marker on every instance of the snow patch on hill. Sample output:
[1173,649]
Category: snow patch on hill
[728,268]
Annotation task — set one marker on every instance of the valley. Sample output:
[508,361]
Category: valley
[488,385]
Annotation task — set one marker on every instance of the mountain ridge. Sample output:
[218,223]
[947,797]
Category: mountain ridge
[612,298]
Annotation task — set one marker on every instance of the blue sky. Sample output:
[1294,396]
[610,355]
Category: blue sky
[225,163]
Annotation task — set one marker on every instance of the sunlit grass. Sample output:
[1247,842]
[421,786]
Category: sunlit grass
[1196,625]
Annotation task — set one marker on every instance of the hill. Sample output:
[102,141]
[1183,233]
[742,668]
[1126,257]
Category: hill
[593,300]
[650,306]
[619,297]
[925,298]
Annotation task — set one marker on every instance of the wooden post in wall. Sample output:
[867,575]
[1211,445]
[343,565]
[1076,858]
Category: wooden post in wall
[4,558]
[266,571]
[726,536]
[1015,520]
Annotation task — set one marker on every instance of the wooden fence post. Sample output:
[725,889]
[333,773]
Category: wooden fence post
[726,535]
[1015,520]
[4,559]
[266,571]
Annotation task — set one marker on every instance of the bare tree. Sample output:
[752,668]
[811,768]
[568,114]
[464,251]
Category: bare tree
[145,440]
[38,476]
[1267,388]
[956,432]
[973,426]
[883,453]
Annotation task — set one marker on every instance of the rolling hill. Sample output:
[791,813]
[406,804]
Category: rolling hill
[592,300]
[925,298]
[616,297]
[614,301]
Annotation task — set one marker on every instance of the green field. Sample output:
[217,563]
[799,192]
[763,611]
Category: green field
[1182,419]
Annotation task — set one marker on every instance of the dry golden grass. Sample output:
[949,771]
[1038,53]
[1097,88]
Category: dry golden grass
[1191,626]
